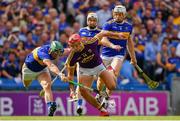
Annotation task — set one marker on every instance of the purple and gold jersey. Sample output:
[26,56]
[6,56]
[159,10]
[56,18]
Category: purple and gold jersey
[34,60]
[88,58]
[125,28]
[87,34]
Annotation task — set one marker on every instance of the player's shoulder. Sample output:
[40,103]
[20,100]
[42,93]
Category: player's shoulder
[98,29]
[111,21]
[83,29]
[127,23]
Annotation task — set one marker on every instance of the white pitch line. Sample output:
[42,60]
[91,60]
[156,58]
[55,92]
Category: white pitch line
[90,120]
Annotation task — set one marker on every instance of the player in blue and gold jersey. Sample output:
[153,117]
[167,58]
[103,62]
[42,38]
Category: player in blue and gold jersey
[111,58]
[37,65]
[91,30]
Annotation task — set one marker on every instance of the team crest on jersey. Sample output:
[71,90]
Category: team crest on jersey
[83,33]
[114,27]
[90,51]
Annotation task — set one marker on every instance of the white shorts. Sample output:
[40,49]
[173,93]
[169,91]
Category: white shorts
[108,60]
[96,71]
[29,75]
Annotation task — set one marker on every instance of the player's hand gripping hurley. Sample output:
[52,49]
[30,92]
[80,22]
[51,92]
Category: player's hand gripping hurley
[104,94]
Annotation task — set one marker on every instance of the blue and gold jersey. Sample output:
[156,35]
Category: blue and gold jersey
[34,60]
[125,28]
[87,34]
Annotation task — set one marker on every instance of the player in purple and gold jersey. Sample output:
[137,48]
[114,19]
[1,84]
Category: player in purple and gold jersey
[37,65]
[87,33]
[90,64]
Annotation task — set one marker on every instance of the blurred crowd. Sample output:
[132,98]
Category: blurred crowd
[26,24]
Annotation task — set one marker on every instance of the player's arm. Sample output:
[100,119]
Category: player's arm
[70,72]
[66,51]
[70,76]
[53,68]
[105,33]
[105,42]
[130,48]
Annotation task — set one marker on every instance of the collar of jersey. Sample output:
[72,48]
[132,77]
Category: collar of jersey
[90,29]
[119,23]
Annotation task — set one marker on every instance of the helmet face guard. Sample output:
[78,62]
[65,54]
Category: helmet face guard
[92,20]
[56,47]
[119,13]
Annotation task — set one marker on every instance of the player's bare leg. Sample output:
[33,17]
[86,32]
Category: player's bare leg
[87,81]
[114,70]
[45,81]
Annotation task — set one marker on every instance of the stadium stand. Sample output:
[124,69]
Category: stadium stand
[26,24]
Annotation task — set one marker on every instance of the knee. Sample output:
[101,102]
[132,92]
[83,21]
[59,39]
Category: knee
[112,86]
[116,74]
[46,85]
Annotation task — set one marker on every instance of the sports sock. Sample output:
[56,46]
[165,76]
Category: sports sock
[80,102]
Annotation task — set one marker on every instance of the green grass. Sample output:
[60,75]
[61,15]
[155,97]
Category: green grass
[89,118]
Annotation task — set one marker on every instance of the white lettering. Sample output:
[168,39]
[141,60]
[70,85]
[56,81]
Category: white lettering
[141,106]
[60,106]
[131,107]
[152,106]
[6,107]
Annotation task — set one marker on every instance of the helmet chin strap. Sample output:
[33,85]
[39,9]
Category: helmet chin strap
[90,27]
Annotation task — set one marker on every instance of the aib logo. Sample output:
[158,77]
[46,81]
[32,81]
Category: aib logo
[36,106]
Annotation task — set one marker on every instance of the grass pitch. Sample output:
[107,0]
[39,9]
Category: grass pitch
[89,118]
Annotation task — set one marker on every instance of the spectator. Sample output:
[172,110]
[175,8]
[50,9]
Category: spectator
[76,27]
[150,27]
[1,59]
[6,49]
[173,66]
[176,16]
[14,37]
[44,39]
[54,31]
[48,21]
[2,37]
[79,6]
[62,22]
[53,14]
[141,41]
[151,50]
[161,60]
[160,33]
[8,29]
[10,66]
[64,39]
[129,73]
[30,44]
[23,32]
[37,33]
[104,14]
[178,50]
